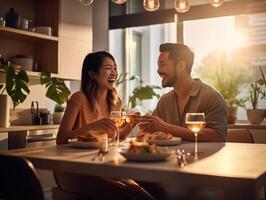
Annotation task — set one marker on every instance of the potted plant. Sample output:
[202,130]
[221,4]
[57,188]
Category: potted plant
[255,115]
[16,87]
[58,113]
[56,91]
[226,74]
[143,92]
[262,82]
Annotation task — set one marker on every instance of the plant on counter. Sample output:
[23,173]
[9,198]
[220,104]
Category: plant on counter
[226,74]
[56,91]
[256,92]
[16,83]
[59,108]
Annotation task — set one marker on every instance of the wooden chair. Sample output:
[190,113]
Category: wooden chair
[18,179]
[239,135]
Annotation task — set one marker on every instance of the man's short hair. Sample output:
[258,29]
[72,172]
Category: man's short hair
[177,52]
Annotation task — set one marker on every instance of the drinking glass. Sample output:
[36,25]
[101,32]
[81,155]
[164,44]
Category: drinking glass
[132,115]
[119,117]
[195,122]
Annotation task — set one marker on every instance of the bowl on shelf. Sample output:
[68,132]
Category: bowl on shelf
[47,30]
[25,61]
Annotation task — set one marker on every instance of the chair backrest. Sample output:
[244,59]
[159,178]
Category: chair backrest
[18,179]
[239,135]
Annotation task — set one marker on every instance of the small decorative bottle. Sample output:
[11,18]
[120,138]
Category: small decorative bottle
[12,18]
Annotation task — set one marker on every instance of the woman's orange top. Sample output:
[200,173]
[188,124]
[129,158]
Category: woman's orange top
[78,113]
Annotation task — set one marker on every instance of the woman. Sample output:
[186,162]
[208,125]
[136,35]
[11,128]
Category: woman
[89,110]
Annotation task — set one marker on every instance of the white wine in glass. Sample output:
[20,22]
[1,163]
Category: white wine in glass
[195,122]
[119,117]
[132,115]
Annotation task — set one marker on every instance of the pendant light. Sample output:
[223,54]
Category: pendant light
[182,6]
[216,3]
[151,5]
[85,2]
[119,1]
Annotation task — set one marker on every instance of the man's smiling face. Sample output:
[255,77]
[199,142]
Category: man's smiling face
[167,70]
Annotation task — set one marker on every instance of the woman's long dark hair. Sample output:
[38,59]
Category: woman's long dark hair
[92,63]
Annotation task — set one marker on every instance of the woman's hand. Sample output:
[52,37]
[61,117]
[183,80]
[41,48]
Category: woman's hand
[133,119]
[104,124]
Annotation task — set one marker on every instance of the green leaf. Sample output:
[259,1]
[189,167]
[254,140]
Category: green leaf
[22,75]
[16,84]
[121,78]
[2,88]
[56,88]
[143,93]
[263,76]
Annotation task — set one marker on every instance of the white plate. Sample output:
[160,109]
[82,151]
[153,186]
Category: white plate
[81,144]
[171,142]
[144,157]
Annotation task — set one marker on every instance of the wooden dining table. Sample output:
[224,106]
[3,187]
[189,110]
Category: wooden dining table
[238,169]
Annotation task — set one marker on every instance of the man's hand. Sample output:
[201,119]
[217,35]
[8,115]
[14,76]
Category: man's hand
[152,124]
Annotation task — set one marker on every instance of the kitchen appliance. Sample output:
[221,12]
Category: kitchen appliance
[32,138]
[46,117]
[36,118]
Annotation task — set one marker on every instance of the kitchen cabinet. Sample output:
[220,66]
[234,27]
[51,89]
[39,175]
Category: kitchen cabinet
[43,48]
[64,51]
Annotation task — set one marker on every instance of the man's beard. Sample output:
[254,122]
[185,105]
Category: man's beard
[171,82]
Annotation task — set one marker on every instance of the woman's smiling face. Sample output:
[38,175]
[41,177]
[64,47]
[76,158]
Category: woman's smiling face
[107,74]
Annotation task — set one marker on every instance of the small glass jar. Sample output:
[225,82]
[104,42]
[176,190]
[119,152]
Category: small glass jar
[2,22]
[103,143]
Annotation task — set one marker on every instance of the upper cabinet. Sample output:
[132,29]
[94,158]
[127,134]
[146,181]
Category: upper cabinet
[75,37]
[42,48]
[61,52]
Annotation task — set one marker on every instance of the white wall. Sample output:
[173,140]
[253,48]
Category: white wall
[100,25]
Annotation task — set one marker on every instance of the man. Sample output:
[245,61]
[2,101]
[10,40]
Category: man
[188,96]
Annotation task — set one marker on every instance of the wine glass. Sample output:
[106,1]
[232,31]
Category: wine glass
[119,117]
[132,115]
[195,122]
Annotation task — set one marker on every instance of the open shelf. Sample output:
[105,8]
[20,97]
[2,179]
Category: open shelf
[31,74]
[25,35]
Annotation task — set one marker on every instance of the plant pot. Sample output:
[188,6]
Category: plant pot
[255,116]
[232,115]
[57,117]
[4,107]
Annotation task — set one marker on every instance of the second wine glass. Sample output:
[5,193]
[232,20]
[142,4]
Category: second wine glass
[132,115]
[119,117]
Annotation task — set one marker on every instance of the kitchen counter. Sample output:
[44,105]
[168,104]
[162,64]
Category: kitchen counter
[246,126]
[28,128]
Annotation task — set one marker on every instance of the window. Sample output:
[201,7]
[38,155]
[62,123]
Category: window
[241,37]
[137,50]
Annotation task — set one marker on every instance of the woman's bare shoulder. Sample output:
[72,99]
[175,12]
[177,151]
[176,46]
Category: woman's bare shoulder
[77,96]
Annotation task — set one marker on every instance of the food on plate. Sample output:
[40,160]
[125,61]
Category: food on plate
[87,138]
[154,136]
[142,147]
